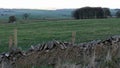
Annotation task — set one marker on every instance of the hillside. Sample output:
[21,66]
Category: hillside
[37,14]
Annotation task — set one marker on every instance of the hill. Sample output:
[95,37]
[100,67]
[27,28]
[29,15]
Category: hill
[42,14]
[37,14]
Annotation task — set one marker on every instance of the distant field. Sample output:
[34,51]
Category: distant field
[34,32]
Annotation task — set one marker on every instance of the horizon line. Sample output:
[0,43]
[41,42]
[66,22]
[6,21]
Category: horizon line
[52,8]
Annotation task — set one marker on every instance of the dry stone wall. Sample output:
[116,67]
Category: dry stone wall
[94,54]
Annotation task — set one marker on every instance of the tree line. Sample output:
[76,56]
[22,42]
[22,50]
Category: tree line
[91,13]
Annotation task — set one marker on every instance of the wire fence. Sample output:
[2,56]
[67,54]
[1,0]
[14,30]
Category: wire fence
[14,39]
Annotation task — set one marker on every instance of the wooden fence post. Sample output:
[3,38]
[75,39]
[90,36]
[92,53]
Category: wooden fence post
[15,37]
[10,42]
[73,37]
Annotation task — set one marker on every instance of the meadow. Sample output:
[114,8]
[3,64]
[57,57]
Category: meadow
[32,32]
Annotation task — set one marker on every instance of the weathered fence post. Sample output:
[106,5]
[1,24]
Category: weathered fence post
[5,63]
[92,60]
[15,37]
[73,37]
[10,42]
[2,65]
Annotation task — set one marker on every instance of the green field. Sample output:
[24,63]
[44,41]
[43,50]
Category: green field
[34,32]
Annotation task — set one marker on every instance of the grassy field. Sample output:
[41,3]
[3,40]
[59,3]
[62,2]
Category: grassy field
[34,32]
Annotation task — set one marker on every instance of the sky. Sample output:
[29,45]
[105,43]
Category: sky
[58,4]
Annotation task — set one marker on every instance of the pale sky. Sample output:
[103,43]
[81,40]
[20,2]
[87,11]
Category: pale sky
[58,4]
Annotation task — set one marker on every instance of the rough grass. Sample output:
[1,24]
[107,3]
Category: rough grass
[33,32]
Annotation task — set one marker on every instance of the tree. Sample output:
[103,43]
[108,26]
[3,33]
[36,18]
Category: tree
[118,14]
[75,14]
[12,19]
[107,12]
[25,16]
[99,12]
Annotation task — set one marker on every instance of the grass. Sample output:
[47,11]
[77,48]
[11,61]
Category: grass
[33,32]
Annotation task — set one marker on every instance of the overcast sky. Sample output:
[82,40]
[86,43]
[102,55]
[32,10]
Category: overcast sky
[58,4]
